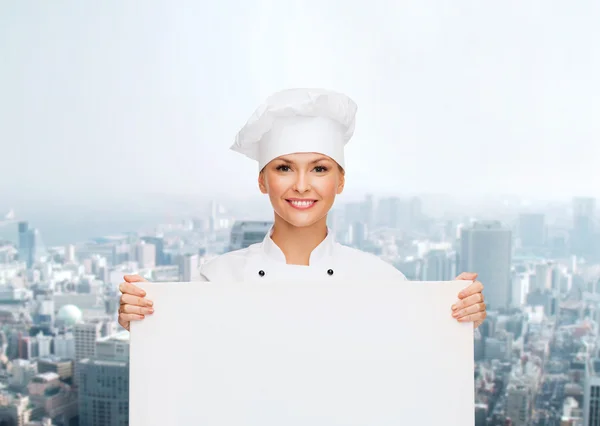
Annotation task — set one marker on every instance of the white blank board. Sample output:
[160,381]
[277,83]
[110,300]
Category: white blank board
[291,354]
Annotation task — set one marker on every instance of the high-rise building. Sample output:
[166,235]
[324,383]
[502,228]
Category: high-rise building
[591,393]
[146,254]
[368,211]
[190,267]
[246,233]
[358,234]
[85,336]
[104,385]
[159,244]
[532,230]
[486,248]
[439,265]
[69,253]
[64,346]
[583,233]
[26,244]
[391,212]
[542,278]
[518,404]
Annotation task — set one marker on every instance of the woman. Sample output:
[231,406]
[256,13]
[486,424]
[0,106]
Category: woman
[298,138]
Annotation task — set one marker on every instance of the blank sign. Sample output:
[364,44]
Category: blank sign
[292,354]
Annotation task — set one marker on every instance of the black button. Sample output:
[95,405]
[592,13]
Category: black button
[330,271]
[261,273]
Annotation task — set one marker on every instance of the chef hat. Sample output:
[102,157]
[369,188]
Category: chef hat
[298,120]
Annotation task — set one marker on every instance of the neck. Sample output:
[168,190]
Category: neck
[297,243]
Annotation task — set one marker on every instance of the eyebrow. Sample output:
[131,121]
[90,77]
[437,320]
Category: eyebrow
[285,160]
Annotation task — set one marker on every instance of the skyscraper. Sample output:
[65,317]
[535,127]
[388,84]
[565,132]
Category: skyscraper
[104,387]
[486,248]
[25,244]
[30,244]
[583,233]
[532,230]
[439,265]
[248,232]
[190,267]
[591,393]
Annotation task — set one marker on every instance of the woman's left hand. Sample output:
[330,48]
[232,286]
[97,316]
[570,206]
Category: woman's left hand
[471,306]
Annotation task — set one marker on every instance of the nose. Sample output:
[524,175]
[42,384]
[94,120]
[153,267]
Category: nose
[302,183]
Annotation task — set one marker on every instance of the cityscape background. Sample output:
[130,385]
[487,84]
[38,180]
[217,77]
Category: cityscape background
[476,149]
[65,358]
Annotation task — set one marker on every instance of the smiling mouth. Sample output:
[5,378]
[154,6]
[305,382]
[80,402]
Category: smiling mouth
[302,204]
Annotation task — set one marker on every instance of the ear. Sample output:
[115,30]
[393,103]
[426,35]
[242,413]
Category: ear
[341,183]
[261,182]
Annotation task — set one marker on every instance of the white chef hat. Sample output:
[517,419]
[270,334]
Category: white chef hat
[298,120]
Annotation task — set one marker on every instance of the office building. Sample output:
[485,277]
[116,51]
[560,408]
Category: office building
[246,233]
[583,232]
[486,248]
[532,230]
[591,393]
[104,386]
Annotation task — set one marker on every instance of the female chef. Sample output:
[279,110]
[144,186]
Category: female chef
[298,138]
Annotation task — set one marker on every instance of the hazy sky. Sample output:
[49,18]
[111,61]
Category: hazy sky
[454,96]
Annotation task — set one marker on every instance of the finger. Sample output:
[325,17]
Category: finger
[471,310]
[468,301]
[123,323]
[130,299]
[140,310]
[128,288]
[130,317]
[133,278]
[476,287]
[472,276]
[476,319]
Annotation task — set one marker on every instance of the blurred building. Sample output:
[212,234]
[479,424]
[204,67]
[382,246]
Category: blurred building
[246,233]
[583,232]
[532,230]
[439,265]
[591,398]
[486,248]
[190,267]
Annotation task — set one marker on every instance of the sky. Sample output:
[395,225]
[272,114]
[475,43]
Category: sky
[117,99]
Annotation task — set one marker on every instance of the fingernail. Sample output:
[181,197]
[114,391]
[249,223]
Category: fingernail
[453,307]
[455,314]
[461,294]
[149,302]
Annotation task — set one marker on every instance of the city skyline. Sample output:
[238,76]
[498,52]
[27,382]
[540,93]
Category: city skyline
[542,285]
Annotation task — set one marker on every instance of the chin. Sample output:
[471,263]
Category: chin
[301,219]
[301,223]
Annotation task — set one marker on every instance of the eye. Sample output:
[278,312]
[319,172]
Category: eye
[320,169]
[283,168]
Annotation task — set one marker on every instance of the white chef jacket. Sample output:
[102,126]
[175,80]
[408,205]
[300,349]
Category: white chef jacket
[266,262]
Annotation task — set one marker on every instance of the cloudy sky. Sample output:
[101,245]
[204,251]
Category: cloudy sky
[120,98]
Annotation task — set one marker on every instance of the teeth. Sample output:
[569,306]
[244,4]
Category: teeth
[302,203]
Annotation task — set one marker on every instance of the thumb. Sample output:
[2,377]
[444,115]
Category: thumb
[467,276]
[133,278]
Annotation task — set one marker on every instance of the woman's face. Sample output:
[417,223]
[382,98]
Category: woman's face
[302,187]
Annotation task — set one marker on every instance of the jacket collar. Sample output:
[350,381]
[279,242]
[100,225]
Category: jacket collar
[321,254]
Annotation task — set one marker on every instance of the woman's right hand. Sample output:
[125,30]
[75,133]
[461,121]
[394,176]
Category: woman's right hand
[134,306]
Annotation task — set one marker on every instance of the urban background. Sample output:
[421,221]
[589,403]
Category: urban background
[476,149]
[65,358]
